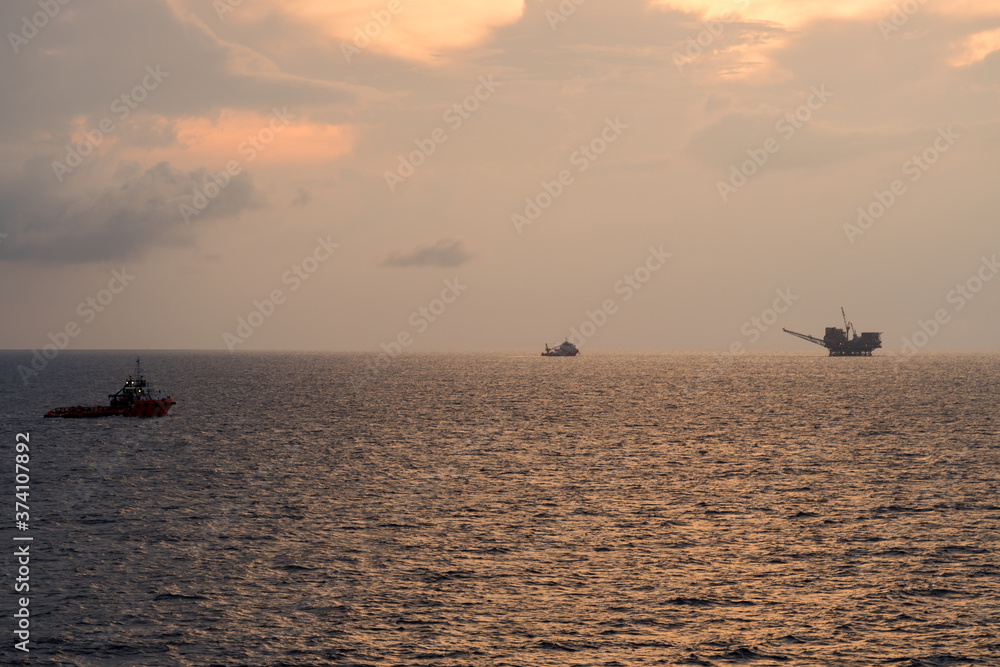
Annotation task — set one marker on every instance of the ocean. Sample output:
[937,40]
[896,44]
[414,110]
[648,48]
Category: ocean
[503,509]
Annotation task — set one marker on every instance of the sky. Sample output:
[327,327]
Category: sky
[459,175]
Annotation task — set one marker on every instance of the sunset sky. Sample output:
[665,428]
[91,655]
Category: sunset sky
[466,175]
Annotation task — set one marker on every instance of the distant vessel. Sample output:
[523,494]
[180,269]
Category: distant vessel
[567,349]
[840,343]
[135,399]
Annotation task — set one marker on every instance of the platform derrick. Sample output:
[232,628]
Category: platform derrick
[841,343]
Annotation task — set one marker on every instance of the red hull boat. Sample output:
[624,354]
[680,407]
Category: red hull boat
[135,399]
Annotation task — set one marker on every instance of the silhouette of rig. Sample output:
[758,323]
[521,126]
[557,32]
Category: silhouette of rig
[840,343]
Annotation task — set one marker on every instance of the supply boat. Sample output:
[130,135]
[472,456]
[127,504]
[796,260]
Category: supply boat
[135,399]
[567,349]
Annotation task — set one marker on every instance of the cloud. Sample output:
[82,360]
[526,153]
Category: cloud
[424,32]
[444,253]
[69,70]
[796,14]
[121,221]
[302,198]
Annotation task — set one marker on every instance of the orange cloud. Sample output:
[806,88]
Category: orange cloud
[782,11]
[250,139]
[793,14]
[886,15]
[403,28]
[975,47]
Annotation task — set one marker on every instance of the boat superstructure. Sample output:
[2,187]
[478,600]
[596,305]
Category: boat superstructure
[135,399]
[566,349]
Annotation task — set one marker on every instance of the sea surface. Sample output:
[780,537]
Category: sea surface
[505,509]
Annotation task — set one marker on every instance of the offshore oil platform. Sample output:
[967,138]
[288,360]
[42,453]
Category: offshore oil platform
[840,343]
